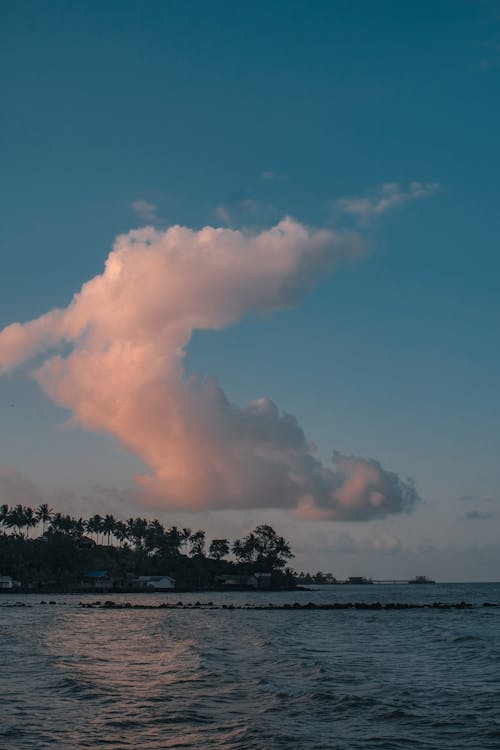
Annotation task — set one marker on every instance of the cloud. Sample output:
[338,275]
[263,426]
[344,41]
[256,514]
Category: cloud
[242,210]
[124,337]
[270,176]
[477,515]
[475,499]
[381,542]
[490,58]
[385,197]
[385,543]
[145,210]
[16,490]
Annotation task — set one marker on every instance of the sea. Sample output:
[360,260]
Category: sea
[225,678]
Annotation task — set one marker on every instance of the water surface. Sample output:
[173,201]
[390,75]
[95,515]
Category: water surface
[253,680]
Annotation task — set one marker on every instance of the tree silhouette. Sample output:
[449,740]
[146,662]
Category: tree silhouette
[108,526]
[263,548]
[219,548]
[197,541]
[43,514]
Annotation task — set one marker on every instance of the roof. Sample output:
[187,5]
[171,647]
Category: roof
[154,578]
[96,574]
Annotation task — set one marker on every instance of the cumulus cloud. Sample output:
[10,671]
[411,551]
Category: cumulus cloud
[145,210]
[16,490]
[385,197]
[124,337]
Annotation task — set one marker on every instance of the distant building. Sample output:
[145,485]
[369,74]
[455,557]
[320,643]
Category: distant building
[355,580]
[156,583]
[98,580]
[8,584]
[101,580]
[260,580]
[253,581]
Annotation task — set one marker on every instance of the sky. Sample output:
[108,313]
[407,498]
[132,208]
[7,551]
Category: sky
[281,223]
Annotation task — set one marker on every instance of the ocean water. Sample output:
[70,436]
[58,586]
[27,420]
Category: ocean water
[352,679]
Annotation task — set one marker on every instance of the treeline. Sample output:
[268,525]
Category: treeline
[40,547]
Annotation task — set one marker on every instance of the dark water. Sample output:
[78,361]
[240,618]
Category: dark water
[245,680]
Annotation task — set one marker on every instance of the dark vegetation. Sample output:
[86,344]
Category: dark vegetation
[44,550]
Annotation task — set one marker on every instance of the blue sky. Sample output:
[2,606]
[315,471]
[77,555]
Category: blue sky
[241,114]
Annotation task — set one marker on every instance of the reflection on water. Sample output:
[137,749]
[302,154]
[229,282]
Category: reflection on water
[83,678]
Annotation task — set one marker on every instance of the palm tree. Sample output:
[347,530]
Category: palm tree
[16,519]
[43,513]
[137,528]
[108,526]
[245,550]
[78,527]
[4,511]
[185,537]
[174,540]
[121,532]
[94,525]
[154,537]
[29,519]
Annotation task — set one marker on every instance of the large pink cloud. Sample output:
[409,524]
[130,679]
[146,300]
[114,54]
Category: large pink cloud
[127,330]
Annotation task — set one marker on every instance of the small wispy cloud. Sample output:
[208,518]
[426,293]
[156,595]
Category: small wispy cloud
[245,212]
[381,542]
[269,176]
[490,54]
[16,489]
[145,210]
[387,196]
[223,214]
[475,499]
[477,515]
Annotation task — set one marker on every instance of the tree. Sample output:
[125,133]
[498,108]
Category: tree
[29,519]
[137,528]
[174,541]
[245,550]
[263,548]
[16,519]
[94,525]
[154,539]
[197,541]
[219,548]
[185,537]
[4,511]
[108,526]
[43,514]
[121,531]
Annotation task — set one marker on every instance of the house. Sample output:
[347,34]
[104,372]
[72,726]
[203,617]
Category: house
[156,583]
[8,584]
[259,581]
[253,581]
[98,580]
[101,580]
